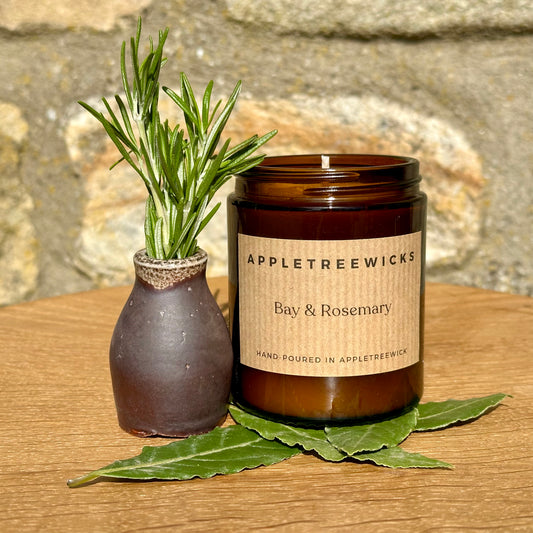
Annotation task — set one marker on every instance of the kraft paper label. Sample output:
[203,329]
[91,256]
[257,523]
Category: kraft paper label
[329,308]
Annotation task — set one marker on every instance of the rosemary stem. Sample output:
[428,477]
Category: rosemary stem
[155,190]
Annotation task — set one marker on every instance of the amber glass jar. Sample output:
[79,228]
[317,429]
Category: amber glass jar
[326,275]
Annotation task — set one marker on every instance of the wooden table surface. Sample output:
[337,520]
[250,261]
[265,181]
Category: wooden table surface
[58,421]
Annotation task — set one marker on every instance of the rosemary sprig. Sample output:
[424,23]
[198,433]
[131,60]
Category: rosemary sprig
[181,167]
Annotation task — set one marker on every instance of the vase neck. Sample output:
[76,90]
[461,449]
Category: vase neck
[163,273]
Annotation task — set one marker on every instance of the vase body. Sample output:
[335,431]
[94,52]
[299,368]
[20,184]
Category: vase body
[326,280]
[170,355]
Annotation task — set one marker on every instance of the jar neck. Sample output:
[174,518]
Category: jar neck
[161,274]
[345,178]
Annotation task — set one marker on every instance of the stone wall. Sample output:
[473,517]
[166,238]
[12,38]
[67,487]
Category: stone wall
[446,82]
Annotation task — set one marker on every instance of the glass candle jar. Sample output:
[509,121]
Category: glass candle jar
[326,276]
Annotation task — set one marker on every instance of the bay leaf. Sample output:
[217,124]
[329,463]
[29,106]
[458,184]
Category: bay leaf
[372,436]
[309,439]
[221,451]
[438,415]
[396,457]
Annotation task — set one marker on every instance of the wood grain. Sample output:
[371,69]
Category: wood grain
[58,421]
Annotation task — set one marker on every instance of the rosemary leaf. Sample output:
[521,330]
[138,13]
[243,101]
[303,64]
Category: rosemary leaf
[206,104]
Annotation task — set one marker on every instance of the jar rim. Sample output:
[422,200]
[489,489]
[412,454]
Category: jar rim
[164,273]
[339,165]
[197,259]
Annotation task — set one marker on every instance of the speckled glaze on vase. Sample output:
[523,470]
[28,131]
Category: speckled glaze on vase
[170,355]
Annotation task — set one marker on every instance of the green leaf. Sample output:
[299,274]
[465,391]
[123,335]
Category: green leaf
[206,104]
[216,130]
[126,121]
[242,151]
[396,457]
[188,112]
[124,74]
[188,96]
[182,237]
[256,442]
[208,217]
[221,451]
[208,185]
[437,415]
[308,439]
[158,238]
[372,436]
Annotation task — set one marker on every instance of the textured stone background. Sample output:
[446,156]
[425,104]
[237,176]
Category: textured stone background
[446,82]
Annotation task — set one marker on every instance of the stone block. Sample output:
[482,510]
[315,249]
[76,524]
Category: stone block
[450,167]
[19,251]
[374,18]
[100,15]
[113,214]
[112,227]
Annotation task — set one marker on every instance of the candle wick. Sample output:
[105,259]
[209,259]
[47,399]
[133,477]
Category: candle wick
[325,161]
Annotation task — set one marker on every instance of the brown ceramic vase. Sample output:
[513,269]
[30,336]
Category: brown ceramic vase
[170,355]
